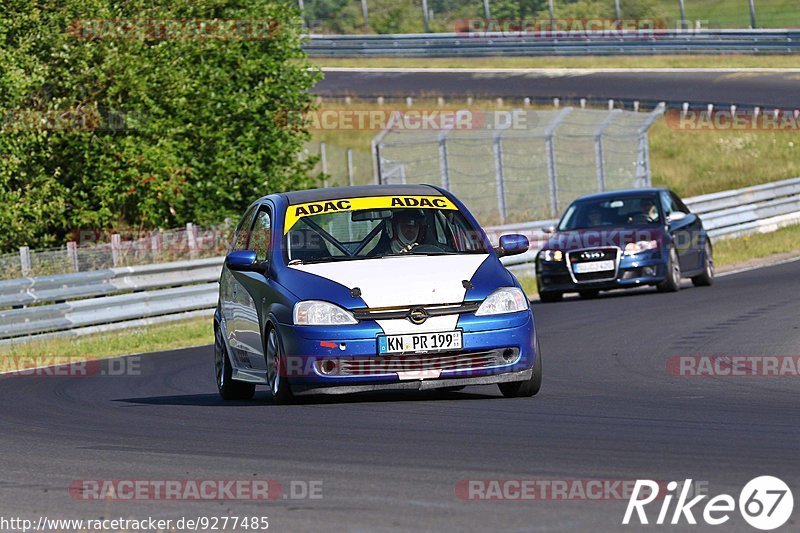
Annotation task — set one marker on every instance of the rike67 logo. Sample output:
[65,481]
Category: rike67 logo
[765,503]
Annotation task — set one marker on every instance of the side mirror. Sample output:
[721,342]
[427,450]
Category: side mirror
[675,216]
[242,260]
[514,244]
[549,229]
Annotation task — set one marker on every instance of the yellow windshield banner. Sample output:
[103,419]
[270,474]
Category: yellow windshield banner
[298,211]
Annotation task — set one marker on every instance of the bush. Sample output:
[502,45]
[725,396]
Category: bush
[201,134]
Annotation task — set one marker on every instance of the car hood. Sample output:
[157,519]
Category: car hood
[600,238]
[396,281]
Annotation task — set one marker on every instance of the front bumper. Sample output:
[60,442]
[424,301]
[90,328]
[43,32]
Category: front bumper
[633,271]
[308,349]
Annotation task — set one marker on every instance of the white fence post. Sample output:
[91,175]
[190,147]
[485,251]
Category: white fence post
[155,244]
[72,255]
[350,178]
[444,164]
[116,246]
[25,260]
[191,240]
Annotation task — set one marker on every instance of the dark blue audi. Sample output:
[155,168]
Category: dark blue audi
[624,239]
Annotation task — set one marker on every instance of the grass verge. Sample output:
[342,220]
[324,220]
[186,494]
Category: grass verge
[157,337]
[588,62]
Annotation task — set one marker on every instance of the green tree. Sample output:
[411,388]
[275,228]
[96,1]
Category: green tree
[204,120]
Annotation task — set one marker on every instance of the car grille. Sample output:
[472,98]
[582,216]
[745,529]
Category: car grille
[593,255]
[391,364]
[387,313]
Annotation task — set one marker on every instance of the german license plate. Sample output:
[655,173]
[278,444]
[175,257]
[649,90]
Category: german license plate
[419,342]
[594,266]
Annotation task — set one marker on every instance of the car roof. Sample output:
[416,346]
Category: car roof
[361,191]
[621,193]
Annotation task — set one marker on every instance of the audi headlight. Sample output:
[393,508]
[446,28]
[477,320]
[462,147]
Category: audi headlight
[318,313]
[633,248]
[552,256]
[503,300]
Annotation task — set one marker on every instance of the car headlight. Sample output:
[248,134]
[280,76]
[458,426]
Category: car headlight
[633,248]
[552,256]
[503,300]
[318,313]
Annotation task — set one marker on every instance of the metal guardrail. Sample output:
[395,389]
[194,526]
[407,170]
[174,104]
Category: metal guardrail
[726,214]
[122,296]
[646,42]
[133,296]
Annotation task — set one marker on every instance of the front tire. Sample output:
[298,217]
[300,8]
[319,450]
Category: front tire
[673,281]
[276,375]
[228,388]
[528,388]
[706,279]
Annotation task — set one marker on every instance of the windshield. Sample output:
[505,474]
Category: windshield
[348,233]
[627,211]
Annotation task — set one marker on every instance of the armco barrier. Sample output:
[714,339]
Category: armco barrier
[132,296]
[646,42]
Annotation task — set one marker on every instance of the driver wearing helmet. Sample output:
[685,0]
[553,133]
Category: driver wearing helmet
[406,230]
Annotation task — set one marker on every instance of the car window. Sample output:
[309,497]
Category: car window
[679,203]
[260,236]
[377,232]
[669,205]
[241,236]
[613,212]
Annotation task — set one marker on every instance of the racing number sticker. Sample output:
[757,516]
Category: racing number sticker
[296,212]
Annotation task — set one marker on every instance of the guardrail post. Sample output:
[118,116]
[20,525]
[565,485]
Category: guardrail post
[425,15]
[116,246]
[191,240]
[25,260]
[72,255]
[350,179]
[752,14]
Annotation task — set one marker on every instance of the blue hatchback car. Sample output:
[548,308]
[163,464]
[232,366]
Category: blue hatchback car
[369,288]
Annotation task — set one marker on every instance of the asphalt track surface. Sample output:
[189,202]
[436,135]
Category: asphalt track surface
[768,89]
[608,410]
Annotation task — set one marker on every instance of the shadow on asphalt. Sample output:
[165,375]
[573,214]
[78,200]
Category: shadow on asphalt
[262,398]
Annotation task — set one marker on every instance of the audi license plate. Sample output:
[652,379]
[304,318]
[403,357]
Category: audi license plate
[419,342]
[595,266]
